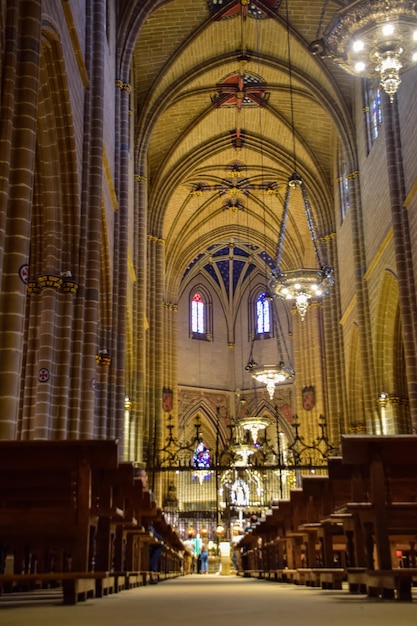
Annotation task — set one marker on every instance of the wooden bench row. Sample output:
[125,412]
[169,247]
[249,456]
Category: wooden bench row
[357,524]
[394,584]
[326,578]
[73,514]
[79,586]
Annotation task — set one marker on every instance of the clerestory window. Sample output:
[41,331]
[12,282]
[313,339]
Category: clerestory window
[200,315]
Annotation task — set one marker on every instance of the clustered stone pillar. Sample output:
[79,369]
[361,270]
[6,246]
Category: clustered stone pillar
[362,306]
[17,146]
[402,248]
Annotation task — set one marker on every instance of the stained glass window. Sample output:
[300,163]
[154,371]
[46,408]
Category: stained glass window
[263,315]
[198,314]
[201,323]
[373,111]
[201,457]
[344,193]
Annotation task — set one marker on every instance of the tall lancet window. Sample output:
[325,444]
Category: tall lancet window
[200,315]
[373,112]
[263,315]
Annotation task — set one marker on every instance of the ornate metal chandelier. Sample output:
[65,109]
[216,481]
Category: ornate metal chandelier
[277,374]
[273,375]
[254,424]
[373,39]
[303,285]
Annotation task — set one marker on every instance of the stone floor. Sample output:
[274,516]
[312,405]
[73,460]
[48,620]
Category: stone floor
[212,600]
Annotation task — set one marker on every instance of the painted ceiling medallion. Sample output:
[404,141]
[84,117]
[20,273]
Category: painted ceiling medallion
[226,9]
[241,90]
[233,204]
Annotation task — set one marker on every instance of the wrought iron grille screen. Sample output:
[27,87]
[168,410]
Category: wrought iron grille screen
[224,484]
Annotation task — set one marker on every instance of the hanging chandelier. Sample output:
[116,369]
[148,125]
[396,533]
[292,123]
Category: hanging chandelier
[254,424]
[373,39]
[303,285]
[272,375]
[282,372]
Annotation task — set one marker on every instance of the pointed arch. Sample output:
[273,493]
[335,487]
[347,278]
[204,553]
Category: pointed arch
[389,358]
[356,416]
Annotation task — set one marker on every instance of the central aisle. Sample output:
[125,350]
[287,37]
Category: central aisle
[215,600]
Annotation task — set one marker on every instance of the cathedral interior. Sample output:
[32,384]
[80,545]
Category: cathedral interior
[208,241]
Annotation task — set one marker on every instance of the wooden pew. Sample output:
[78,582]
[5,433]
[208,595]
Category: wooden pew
[325,543]
[76,586]
[48,517]
[392,584]
[304,541]
[330,577]
[121,502]
[366,507]
[72,515]
[170,562]
[384,515]
[298,540]
[388,508]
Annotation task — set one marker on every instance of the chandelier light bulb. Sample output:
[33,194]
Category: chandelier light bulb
[302,302]
[389,69]
[360,67]
[255,424]
[358,45]
[270,385]
[388,29]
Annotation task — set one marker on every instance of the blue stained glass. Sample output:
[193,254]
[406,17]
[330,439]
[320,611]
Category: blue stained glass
[345,195]
[201,457]
[376,112]
[263,315]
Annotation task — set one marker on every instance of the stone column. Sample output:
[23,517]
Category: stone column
[123,184]
[19,100]
[362,308]
[138,391]
[335,405]
[91,206]
[157,339]
[402,248]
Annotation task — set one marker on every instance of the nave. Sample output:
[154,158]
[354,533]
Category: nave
[214,600]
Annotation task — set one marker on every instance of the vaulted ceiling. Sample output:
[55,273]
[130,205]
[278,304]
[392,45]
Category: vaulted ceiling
[230,101]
